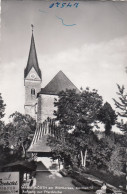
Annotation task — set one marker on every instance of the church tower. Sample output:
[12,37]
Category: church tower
[32,80]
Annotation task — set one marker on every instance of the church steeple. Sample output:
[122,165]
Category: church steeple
[32,59]
[32,80]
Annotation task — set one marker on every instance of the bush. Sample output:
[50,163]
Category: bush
[76,183]
[108,177]
[81,179]
[81,187]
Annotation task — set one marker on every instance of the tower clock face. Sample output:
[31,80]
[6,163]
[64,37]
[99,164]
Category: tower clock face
[32,75]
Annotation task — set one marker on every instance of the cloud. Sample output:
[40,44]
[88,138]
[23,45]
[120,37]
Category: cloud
[90,59]
[98,66]
[12,86]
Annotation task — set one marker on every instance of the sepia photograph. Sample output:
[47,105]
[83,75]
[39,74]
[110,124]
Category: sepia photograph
[63,97]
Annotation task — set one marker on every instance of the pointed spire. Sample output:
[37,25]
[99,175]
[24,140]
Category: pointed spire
[32,59]
[32,27]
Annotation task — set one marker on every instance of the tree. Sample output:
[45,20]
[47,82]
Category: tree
[77,115]
[2,110]
[2,107]
[122,106]
[3,155]
[101,152]
[74,141]
[107,116]
[78,109]
[117,160]
[17,134]
[62,150]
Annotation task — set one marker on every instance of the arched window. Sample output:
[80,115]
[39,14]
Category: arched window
[33,91]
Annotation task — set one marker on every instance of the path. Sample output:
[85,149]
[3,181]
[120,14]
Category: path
[55,183]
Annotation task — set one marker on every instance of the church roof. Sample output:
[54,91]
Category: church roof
[59,83]
[32,59]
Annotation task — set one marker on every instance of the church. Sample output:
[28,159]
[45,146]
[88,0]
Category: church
[39,102]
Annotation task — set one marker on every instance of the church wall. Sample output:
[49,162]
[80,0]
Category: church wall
[46,107]
[30,110]
[39,110]
[31,99]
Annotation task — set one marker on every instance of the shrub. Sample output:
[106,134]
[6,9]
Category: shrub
[76,183]
[108,177]
[81,187]
[81,179]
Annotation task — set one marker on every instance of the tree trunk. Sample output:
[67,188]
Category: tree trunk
[24,151]
[85,158]
[59,163]
[82,158]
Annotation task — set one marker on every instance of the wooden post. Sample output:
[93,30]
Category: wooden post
[20,183]
[126,168]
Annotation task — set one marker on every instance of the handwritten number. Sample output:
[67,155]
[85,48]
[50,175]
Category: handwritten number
[63,4]
[51,5]
[57,4]
[76,4]
[69,5]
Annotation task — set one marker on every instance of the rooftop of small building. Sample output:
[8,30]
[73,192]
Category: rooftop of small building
[40,146]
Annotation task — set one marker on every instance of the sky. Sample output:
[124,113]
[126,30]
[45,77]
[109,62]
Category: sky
[88,43]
